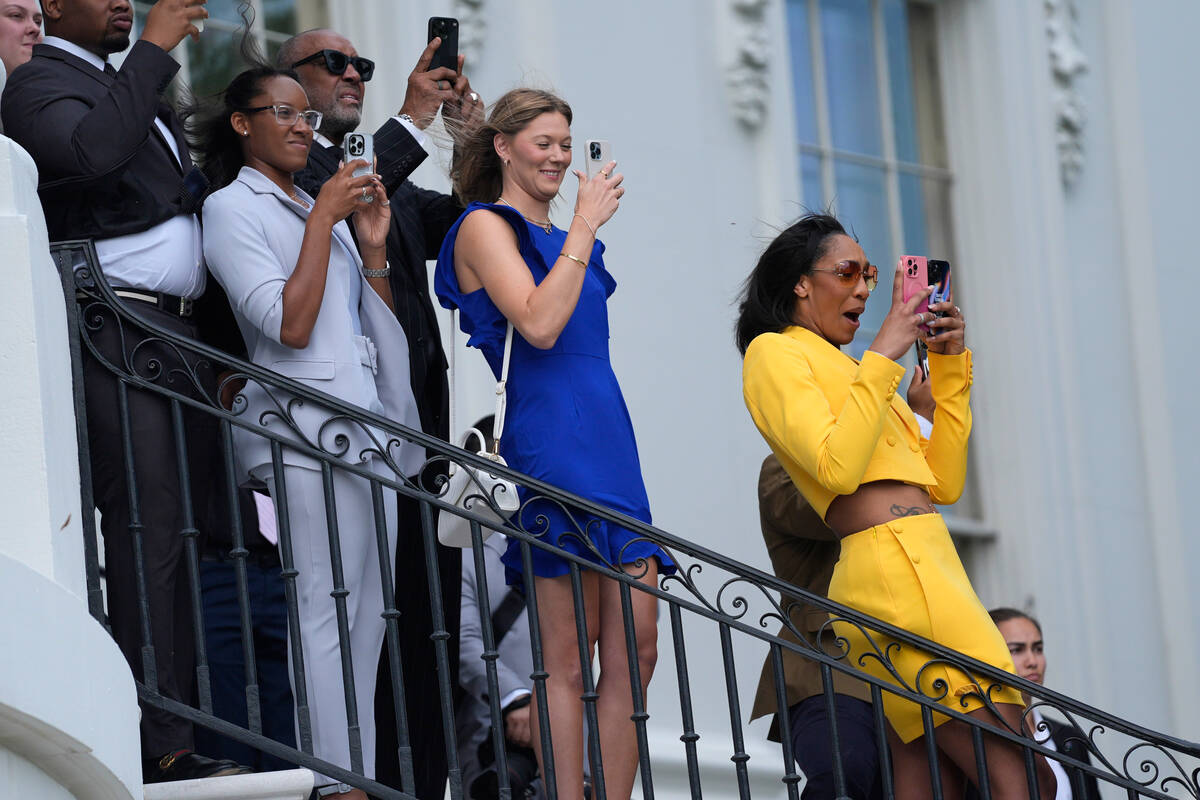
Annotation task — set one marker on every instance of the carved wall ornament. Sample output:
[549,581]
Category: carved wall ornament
[1067,65]
[472,28]
[746,76]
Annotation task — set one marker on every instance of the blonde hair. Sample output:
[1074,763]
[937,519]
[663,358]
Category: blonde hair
[476,174]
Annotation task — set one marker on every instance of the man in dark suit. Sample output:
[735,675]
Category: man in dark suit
[114,167]
[335,76]
[803,551]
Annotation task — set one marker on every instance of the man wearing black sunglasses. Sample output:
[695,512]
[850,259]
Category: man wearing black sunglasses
[335,78]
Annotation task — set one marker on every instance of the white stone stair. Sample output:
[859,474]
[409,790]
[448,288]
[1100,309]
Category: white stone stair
[292,784]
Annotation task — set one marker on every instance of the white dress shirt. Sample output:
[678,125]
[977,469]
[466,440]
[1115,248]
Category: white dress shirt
[167,258]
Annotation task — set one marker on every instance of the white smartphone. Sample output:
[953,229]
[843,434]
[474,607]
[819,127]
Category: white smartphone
[598,153]
[360,145]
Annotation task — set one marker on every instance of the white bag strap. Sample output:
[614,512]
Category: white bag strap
[502,393]
[501,385]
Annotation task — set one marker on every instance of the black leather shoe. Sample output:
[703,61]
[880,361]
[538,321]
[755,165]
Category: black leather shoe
[184,765]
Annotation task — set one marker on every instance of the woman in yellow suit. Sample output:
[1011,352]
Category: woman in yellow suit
[852,446]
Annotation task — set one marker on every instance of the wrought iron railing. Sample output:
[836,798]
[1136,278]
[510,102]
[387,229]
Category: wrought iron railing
[739,600]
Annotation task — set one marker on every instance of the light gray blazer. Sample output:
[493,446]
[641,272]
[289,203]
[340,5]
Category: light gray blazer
[513,667]
[252,237]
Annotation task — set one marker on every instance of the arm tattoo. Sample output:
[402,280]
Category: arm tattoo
[908,511]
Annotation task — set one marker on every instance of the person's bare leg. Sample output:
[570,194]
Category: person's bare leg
[910,768]
[1005,761]
[564,686]
[618,736]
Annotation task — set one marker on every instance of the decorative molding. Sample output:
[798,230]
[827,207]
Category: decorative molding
[747,76]
[1067,64]
[472,28]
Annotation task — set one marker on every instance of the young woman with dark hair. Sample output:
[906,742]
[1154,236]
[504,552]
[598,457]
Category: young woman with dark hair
[310,307]
[567,424]
[854,449]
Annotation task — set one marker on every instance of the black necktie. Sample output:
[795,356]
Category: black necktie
[109,70]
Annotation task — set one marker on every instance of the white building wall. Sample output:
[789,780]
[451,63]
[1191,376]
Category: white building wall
[1077,300]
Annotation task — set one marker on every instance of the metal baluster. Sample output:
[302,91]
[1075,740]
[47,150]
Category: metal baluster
[149,665]
[635,684]
[440,637]
[589,696]
[881,743]
[87,505]
[288,574]
[190,533]
[239,554]
[1031,773]
[790,777]
[689,737]
[740,756]
[931,752]
[984,786]
[391,618]
[490,655]
[339,594]
[539,674]
[835,741]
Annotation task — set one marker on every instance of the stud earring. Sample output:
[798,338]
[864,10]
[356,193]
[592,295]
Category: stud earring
[245,133]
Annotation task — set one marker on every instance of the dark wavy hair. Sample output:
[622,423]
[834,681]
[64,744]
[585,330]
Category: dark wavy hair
[1004,614]
[476,171]
[767,301]
[214,142]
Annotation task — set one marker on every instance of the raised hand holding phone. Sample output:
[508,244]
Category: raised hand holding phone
[599,195]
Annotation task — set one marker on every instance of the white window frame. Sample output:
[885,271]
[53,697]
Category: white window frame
[966,527]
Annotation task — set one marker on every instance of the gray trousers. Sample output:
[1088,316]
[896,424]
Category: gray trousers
[328,697]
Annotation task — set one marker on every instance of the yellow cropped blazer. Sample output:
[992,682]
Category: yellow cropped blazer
[835,423]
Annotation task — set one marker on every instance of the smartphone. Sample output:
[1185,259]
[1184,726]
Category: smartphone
[920,272]
[923,358]
[446,29]
[599,153]
[360,145]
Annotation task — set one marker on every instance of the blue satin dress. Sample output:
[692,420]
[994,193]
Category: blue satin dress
[567,423]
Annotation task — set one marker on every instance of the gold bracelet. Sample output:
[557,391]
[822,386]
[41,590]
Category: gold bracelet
[579,261]
[591,227]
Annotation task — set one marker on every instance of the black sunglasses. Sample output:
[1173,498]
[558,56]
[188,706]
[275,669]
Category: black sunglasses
[336,62]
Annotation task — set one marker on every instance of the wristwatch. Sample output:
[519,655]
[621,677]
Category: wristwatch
[408,119]
[332,789]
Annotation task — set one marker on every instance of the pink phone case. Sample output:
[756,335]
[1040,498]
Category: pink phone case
[916,278]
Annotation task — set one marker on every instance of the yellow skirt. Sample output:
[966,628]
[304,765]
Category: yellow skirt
[908,574]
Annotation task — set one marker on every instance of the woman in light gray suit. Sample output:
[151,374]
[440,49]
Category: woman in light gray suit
[311,308]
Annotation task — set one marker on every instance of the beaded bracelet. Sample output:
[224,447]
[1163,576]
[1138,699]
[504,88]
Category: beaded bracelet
[591,227]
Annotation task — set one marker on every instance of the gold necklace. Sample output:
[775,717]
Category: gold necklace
[544,224]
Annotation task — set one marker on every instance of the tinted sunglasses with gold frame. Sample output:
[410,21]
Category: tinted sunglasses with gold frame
[848,272]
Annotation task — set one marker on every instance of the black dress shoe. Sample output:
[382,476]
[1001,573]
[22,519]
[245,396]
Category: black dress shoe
[184,765]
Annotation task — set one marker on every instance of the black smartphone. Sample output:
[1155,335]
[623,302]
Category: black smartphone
[923,358]
[446,29]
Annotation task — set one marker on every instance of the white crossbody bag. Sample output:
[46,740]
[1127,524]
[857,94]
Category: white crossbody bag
[469,488]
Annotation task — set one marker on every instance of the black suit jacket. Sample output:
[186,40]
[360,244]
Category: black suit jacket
[104,168]
[420,220]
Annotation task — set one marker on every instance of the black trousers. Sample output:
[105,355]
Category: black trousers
[151,503]
[418,657]
[813,749]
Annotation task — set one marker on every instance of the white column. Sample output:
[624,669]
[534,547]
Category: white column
[68,709]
